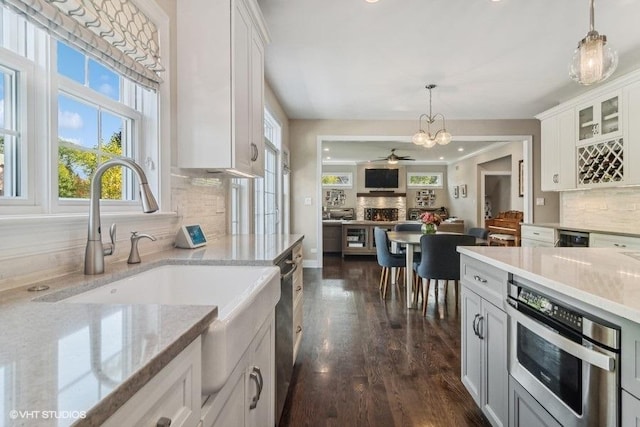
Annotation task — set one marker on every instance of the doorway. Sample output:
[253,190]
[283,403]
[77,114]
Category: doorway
[495,194]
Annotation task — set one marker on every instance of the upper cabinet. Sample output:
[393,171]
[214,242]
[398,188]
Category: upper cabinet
[220,86]
[558,165]
[604,138]
[599,119]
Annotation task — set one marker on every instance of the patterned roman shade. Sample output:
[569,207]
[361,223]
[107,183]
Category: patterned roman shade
[114,31]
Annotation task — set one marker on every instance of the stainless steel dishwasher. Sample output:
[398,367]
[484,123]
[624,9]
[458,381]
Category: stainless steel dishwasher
[284,331]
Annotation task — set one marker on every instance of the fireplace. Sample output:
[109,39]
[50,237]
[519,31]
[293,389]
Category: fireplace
[381,214]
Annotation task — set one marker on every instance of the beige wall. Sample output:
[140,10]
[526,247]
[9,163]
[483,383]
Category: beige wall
[469,172]
[305,173]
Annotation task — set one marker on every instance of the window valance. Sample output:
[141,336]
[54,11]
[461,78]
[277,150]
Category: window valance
[114,31]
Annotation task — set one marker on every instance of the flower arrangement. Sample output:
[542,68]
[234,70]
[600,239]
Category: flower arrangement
[429,222]
[430,218]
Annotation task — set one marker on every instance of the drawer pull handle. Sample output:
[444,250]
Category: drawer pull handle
[163,422]
[618,245]
[479,279]
[537,234]
[256,376]
[299,288]
[298,329]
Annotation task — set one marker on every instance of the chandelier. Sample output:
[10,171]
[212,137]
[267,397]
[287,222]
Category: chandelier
[441,137]
[594,60]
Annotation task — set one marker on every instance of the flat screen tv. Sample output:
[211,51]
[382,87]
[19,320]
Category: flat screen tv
[381,178]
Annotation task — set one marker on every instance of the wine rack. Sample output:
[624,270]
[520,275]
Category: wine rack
[601,163]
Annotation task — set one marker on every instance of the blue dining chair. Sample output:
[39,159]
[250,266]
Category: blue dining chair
[386,259]
[440,260]
[408,226]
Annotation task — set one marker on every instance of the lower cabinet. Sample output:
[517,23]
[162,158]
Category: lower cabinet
[248,397]
[526,411]
[630,410]
[172,395]
[484,355]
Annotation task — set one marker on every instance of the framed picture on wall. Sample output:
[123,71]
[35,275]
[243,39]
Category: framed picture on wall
[521,178]
[455,191]
[337,179]
[424,179]
[463,190]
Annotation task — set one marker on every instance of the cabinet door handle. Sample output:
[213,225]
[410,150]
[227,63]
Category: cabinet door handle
[254,152]
[479,279]
[596,129]
[555,178]
[163,422]
[475,326]
[481,327]
[298,329]
[256,376]
[299,288]
[618,245]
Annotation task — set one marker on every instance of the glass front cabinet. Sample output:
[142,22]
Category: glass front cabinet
[599,120]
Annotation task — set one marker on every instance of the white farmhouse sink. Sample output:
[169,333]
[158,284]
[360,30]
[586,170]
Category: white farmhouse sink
[244,296]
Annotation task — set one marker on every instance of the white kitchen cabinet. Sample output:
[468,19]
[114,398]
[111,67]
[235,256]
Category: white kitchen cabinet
[525,410]
[248,397]
[630,410]
[631,112]
[173,394]
[220,94]
[601,240]
[558,152]
[599,119]
[537,236]
[484,338]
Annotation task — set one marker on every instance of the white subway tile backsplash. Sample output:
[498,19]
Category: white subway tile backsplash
[612,209]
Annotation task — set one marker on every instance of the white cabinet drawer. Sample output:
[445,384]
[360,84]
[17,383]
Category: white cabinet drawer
[489,282]
[630,410]
[173,393]
[542,234]
[597,240]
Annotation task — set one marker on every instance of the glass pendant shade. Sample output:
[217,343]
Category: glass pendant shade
[444,137]
[420,138]
[593,61]
[430,143]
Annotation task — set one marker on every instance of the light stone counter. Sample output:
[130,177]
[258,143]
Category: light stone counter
[558,226]
[92,358]
[605,278]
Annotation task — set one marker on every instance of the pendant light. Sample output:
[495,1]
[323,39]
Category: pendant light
[441,137]
[594,60]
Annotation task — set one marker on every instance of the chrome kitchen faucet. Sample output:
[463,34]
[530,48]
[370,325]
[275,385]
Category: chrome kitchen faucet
[95,251]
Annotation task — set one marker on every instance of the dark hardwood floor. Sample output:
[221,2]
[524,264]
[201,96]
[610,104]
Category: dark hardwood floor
[369,362]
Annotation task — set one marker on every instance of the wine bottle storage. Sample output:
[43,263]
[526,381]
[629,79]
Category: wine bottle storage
[601,163]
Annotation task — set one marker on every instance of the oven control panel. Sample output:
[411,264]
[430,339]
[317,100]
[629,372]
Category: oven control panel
[550,309]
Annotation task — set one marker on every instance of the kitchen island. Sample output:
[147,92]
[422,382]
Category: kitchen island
[599,285]
[85,361]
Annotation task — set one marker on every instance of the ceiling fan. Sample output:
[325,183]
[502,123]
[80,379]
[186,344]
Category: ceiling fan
[392,158]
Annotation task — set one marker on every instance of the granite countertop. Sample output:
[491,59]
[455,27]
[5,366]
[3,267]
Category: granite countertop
[601,277]
[91,358]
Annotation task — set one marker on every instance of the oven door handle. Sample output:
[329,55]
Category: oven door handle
[592,357]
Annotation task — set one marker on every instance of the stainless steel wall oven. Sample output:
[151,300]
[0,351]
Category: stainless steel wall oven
[566,359]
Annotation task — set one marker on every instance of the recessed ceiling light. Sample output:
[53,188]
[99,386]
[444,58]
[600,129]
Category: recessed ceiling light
[441,158]
[460,149]
[328,158]
[326,149]
[372,1]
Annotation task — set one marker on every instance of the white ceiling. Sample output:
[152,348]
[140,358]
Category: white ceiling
[351,60]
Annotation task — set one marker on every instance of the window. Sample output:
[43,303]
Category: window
[96,114]
[11,173]
[96,123]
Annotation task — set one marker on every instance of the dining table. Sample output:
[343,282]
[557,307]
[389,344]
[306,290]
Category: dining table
[411,239]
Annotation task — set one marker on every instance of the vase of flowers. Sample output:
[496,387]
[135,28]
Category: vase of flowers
[429,222]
